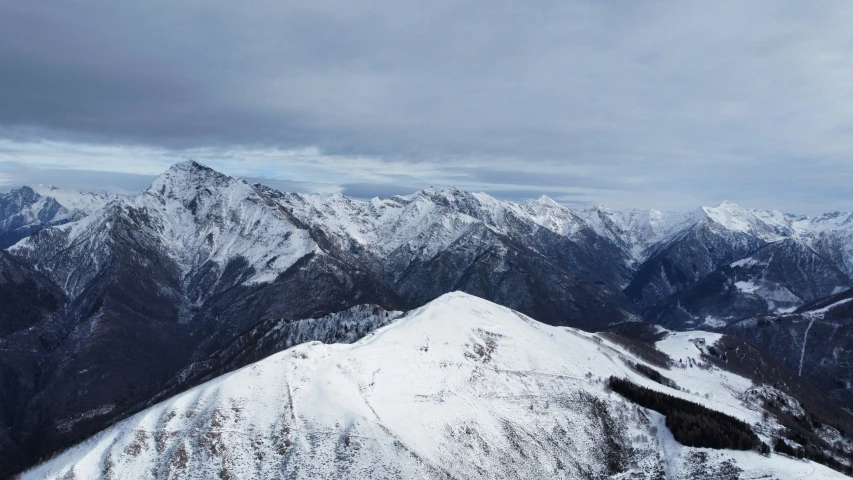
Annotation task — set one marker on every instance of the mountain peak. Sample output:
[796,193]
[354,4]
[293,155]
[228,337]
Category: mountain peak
[20,197]
[767,225]
[367,404]
[24,192]
[189,165]
[546,200]
[183,180]
[600,207]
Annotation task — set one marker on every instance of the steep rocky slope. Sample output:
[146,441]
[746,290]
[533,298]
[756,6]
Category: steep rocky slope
[816,341]
[777,278]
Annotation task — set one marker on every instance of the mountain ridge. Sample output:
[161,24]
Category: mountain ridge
[521,398]
[176,274]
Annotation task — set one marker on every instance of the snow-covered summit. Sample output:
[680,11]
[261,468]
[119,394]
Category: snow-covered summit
[457,378]
[24,211]
[430,219]
[84,202]
[767,225]
[196,216]
[639,230]
[184,180]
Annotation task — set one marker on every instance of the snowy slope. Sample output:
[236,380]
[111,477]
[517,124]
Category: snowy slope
[766,225]
[23,212]
[27,210]
[428,221]
[81,201]
[191,214]
[206,216]
[640,231]
[644,231]
[458,379]
[831,235]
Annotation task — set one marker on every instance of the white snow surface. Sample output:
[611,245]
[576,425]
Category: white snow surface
[81,201]
[746,286]
[767,225]
[460,388]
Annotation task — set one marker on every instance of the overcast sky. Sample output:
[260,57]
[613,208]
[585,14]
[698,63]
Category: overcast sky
[627,103]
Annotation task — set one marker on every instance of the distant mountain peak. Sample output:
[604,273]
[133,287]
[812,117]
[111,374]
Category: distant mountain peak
[185,180]
[546,200]
[602,208]
[767,225]
[24,195]
[190,165]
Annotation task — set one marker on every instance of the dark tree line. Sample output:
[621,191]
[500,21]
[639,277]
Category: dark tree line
[654,375]
[811,452]
[691,424]
[782,447]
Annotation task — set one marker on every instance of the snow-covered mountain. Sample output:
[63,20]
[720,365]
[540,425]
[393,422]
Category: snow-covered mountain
[26,210]
[639,231]
[537,256]
[460,378]
[85,202]
[201,263]
[194,216]
[777,278]
[831,235]
[151,284]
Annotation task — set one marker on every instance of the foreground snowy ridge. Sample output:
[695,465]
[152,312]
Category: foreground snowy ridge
[460,388]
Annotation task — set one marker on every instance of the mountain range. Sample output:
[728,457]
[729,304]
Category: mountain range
[116,303]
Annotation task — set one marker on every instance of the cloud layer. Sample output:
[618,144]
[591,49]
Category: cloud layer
[652,104]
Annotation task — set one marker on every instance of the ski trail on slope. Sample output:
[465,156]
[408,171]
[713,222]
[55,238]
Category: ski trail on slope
[803,353]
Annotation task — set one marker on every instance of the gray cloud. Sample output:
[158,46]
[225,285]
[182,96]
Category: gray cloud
[290,185]
[14,175]
[370,190]
[653,104]
[541,177]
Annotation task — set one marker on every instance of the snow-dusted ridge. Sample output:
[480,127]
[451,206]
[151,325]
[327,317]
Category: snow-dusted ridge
[83,202]
[195,214]
[459,378]
[430,220]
